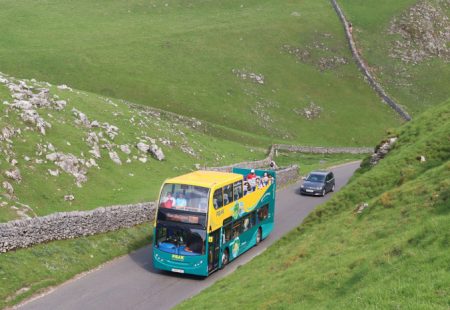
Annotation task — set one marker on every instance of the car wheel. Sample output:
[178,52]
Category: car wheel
[324,192]
[333,188]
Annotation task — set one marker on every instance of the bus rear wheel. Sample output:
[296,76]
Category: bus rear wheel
[225,258]
[258,236]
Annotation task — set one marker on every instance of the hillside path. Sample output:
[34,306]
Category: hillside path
[130,282]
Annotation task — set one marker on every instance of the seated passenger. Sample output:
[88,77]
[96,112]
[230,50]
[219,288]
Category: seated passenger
[270,179]
[259,184]
[251,178]
[249,188]
[225,199]
[168,201]
[265,179]
[180,201]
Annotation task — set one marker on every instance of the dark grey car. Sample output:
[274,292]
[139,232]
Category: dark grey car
[318,183]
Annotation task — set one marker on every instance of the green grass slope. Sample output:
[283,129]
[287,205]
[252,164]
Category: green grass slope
[393,254]
[139,176]
[425,25]
[195,58]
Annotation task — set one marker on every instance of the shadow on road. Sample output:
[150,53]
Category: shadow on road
[143,258]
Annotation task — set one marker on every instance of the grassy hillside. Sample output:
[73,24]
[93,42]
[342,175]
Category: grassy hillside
[406,44]
[136,178]
[197,58]
[391,254]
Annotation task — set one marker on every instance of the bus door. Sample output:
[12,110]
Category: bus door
[213,250]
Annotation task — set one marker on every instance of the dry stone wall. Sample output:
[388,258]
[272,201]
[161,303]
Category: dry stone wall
[323,150]
[68,225]
[362,66]
[287,175]
[264,163]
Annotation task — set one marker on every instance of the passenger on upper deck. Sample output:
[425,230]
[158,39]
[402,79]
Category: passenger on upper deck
[259,183]
[180,201]
[265,179]
[251,178]
[168,201]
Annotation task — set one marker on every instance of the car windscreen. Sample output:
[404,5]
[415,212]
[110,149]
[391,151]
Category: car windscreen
[184,197]
[316,178]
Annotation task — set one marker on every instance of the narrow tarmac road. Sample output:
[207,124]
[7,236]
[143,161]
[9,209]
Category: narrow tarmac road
[130,282]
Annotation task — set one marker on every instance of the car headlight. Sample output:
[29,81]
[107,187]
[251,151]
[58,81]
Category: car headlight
[301,186]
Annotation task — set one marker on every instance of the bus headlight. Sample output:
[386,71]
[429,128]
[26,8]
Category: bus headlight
[198,264]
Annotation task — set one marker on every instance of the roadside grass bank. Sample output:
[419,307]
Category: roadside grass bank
[381,242]
[26,272]
[258,68]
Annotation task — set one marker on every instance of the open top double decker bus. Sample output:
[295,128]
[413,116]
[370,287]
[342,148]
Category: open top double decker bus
[206,219]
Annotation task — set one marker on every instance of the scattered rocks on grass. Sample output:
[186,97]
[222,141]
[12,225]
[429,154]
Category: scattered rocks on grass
[54,173]
[360,208]
[9,189]
[157,152]
[115,157]
[28,99]
[245,75]
[188,150]
[70,164]
[32,117]
[421,158]
[64,87]
[111,130]
[69,197]
[143,147]
[95,151]
[382,150]
[125,148]
[310,112]
[329,63]
[82,118]
[317,53]
[14,174]
[425,33]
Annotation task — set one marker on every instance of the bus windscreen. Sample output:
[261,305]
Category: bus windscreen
[184,197]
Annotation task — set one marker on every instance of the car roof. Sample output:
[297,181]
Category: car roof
[321,172]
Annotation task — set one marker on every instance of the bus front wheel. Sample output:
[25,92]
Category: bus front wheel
[259,236]
[225,258]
